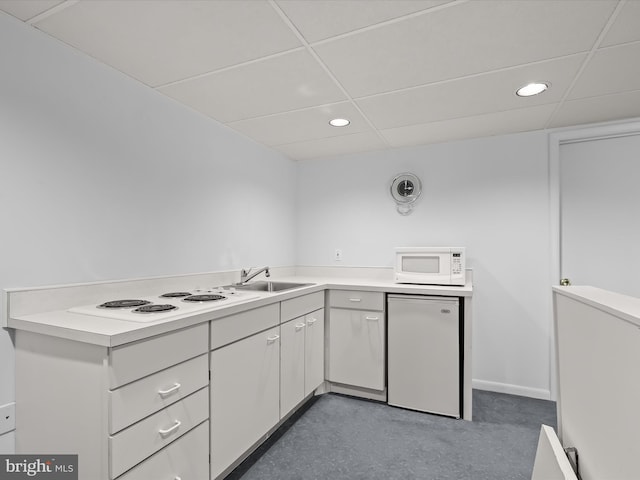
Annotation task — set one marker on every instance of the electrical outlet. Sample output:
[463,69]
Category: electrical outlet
[338,255]
[7,418]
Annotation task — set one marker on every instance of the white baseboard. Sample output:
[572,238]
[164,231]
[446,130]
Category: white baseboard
[511,389]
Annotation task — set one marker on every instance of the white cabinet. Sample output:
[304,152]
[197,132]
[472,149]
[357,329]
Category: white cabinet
[292,364]
[117,408]
[302,349]
[357,339]
[245,385]
[301,359]
[313,351]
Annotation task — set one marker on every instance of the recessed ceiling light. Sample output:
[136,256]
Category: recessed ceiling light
[532,89]
[339,122]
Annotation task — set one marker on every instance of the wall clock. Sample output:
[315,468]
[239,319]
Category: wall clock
[405,191]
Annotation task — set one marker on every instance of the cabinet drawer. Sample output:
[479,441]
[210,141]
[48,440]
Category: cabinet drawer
[138,359]
[186,458]
[134,444]
[234,327]
[150,394]
[299,306]
[357,299]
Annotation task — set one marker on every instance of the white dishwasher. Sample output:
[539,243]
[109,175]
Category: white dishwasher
[424,353]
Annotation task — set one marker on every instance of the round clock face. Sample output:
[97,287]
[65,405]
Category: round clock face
[406,188]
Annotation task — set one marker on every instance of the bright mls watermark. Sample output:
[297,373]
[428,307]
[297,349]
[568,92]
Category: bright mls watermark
[39,467]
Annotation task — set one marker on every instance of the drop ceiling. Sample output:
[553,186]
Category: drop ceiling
[404,72]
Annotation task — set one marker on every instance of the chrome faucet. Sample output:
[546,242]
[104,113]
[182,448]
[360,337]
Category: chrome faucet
[245,277]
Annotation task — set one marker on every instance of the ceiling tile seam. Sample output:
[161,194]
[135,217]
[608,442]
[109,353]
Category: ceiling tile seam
[51,11]
[617,45]
[508,110]
[310,140]
[478,114]
[603,95]
[313,53]
[391,21]
[295,110]
[594,49]
[470,76]
[231,67]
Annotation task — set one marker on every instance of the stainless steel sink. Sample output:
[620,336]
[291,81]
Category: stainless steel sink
[267,286]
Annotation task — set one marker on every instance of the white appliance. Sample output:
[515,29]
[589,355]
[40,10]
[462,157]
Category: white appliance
[430,265]
[424,361]
[166,306]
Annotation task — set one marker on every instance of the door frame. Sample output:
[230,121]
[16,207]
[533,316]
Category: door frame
[556,140]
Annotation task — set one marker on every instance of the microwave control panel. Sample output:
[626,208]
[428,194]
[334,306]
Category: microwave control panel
[456,264]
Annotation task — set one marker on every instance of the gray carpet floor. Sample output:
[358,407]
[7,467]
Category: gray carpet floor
[337,437]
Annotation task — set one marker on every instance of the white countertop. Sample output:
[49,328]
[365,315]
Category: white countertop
[622,306]
[112,332]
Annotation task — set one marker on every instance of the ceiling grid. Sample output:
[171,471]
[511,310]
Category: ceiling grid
[404,72]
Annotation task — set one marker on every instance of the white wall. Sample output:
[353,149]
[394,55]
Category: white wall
[490,195]
[103,178]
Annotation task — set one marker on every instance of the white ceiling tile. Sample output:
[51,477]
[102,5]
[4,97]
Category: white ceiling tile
[332,146]
[27,9]
[465,39]
[626,27]
[302,125]
[512,121]
[277,84]
[610,70]
[598,109]
[322,19]
[159,41]
[476,95]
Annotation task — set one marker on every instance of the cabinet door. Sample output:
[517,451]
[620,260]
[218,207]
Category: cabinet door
[314,351]
[357,348]
[244,396]
[292,359]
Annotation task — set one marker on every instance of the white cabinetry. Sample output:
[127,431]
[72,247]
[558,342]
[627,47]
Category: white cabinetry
[301,359]
[314,351]
[245,376]
[357,339]
[301,349]
[292,364]
[120,409]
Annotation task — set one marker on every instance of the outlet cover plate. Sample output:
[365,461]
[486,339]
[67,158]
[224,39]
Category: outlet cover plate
[7,417]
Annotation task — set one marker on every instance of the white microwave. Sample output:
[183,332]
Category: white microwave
[430,265]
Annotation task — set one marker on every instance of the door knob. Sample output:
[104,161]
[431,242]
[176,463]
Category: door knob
[565,282]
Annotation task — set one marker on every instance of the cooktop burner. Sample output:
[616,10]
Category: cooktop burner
[124,304]
[206,297]
[165,306]
[155,307]
[175,294]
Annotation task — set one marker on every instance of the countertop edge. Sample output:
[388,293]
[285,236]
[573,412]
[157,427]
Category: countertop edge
[112,333]
[625,307]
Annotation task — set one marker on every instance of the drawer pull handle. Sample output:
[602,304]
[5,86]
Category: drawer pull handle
[371,318]
[311,321]
[273,338]
[169,391]
[299,327]
[355,299]
[170,430]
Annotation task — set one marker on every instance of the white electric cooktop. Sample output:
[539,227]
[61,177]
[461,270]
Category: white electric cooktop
[165,306]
